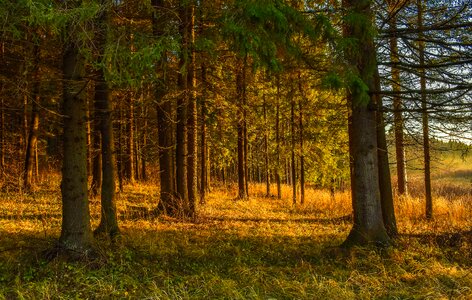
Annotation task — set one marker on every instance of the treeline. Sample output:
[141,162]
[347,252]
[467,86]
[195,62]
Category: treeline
[187,92]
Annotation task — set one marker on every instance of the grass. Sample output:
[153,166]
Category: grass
[262,248]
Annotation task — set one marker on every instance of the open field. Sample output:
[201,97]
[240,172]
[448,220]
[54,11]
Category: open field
[262,248]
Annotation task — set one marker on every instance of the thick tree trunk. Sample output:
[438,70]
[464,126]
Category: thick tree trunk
[368,222]
[34,124]
[76,234]
[385,183]
[425,117]
[397,105]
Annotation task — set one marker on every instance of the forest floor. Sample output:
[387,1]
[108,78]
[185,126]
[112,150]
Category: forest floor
[262,248]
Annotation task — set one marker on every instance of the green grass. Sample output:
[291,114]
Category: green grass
[257,249]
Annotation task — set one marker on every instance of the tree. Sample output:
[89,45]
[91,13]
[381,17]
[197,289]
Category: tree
[76,234]
[361,58]
[108,221]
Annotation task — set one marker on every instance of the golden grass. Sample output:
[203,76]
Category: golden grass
[262,248]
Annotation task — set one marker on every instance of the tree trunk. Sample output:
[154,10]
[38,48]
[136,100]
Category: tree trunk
[302,155]
[266,149]
[242,179]
[129,166]
[203,133]
[182,104]
[96,151]
[192,169]
[76,234]
[292,149]
[397,105]
[34,124]
[167,203]
[425,117]
[368,223]
[277,139]
[103,110]
[385,183]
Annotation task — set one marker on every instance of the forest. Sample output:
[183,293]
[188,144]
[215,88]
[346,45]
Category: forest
[236,149]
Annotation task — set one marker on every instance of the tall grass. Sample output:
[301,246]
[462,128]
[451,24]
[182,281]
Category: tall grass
[261,248]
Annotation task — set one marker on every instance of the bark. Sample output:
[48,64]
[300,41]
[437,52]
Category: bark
[167,204]
[266,149]
[385,182]
[192,169]
[34,124]
[302,156]
[242,179]
[203,133]
[129,163]
[182,104]
[368,223]
[76,234]
[397,106]
[425,117]
[96,153]
[103,110]
[277,139]
[292,150]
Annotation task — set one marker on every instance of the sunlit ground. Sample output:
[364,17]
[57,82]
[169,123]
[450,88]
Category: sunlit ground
[263,248]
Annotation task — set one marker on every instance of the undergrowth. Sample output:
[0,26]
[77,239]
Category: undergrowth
[262,248]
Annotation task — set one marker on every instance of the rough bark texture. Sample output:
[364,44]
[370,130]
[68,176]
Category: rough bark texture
[76,234]
[368,223]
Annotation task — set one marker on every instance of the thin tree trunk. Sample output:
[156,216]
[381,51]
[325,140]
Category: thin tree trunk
[266,149]
[302,155]
[76,234]
[182,104]
[120,162]
[277,139]
[397,105]
[385,182]
[129,166]
[203,133]
[192,168]
[165,122]
[425,117]
[242,180]
[292,149]
[34,124]
[104,124]
[368,222]
[96,154]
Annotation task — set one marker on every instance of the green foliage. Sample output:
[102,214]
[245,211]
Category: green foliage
[265,29]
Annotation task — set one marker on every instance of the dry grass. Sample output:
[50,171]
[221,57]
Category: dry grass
[263,248]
